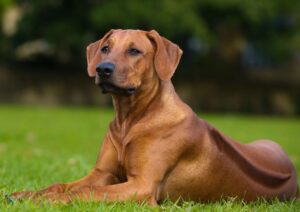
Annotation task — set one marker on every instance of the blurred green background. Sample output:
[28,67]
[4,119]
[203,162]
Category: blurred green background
[239,56]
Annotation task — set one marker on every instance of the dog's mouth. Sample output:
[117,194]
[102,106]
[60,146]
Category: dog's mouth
[108,87]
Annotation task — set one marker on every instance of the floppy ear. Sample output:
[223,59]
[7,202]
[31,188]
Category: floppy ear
[167,55]
[92,51]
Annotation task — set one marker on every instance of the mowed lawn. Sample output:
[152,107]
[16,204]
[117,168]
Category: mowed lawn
[43,145]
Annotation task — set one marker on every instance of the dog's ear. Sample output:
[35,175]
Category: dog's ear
[91,51]
[93,55]
[167,55]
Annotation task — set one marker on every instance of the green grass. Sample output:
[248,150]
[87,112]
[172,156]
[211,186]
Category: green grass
[42,145]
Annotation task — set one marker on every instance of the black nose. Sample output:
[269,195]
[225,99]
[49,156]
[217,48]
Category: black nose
[105,69]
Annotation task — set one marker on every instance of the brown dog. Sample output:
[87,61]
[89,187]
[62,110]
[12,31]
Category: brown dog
[157,147]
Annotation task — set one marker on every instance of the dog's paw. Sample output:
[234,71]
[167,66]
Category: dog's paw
[21,195]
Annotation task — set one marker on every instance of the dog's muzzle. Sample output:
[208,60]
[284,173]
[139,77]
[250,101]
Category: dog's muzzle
[108,87]
[104,80]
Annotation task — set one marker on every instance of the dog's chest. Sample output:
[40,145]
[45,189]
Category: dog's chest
[131,149]
[122,170]
[121,140]
[122,175]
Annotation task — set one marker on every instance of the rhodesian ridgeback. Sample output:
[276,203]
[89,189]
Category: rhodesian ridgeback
[156,147]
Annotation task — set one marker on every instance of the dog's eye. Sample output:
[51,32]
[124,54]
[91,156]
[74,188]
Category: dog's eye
[104,49]
[133,51]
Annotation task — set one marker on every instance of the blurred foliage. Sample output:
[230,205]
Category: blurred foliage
[207,30]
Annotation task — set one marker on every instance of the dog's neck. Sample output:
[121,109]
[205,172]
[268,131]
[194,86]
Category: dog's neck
[131,109]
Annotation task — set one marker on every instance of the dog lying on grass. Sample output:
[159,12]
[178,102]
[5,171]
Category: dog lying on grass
[156,146]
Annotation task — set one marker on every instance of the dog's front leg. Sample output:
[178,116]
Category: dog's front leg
[134,190]
[96,177]
[104,173]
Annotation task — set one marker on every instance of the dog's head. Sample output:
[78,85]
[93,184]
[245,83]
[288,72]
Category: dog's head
[123,59]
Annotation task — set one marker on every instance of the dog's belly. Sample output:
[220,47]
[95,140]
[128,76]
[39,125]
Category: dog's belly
[201,181]
[213,176]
